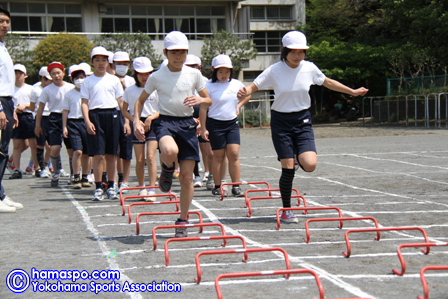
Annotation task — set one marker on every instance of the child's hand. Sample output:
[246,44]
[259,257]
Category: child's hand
[192,101]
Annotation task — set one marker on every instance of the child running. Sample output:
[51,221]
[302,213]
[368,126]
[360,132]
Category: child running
[222,126]
[291,129]
[142,70]
[175,128]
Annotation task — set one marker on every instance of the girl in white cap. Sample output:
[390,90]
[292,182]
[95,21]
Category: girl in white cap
[222,126]
[291,129]
[142,70]
[175,128]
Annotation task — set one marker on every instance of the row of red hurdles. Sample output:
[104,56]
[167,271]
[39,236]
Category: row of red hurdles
[248,198]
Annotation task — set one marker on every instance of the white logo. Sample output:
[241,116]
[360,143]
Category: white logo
[306,120]
[186,83]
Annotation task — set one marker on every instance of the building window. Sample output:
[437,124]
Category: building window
[192,20]
[45,17]
[268,41]
[250,75]
[268,13]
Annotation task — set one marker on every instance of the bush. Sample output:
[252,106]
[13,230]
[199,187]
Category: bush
[252,118]
[135,45]
[18,48]
[68,49]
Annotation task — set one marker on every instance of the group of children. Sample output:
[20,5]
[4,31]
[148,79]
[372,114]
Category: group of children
[104,114]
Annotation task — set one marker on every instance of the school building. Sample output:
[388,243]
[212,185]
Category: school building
[265,21]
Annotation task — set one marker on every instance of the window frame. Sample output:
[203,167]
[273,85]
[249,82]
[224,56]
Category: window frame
[265,17]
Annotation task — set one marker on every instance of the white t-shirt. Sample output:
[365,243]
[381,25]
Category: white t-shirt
[72,103]
[128,81]
[102,92]
[7,76]
[131,95]
[35,94]
[53,96]
[173,87]
[22,96]
[291,85]
[224,99]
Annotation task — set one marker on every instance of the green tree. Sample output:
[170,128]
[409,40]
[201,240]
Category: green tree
[135,45]
[18,48]
[225,42]
[66,48]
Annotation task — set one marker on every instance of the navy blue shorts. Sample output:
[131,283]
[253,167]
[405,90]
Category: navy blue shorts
[43,138]
[125,152]
[107,126]
[183,131]
[150,135]
[55,129]
[223,132]
[77,134]
[25,130]
[292,133]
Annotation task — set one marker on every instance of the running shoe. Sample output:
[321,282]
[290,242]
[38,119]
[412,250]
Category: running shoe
[29,170]
[98,195]
[181,232]
[55,180]
[124,185]
[63,173]
[77,183]
[111,193]
[91,178]
[166,178]
[143,193]
[151,192]
[45,173]
[209,183]
[85,183]
[197,182]
[176,174]
[204,178]
[236,191]
[37,173]
[217,191]
[289,217]
[17,174]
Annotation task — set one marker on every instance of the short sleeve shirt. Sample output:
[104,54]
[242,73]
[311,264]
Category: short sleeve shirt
[22,96]
[131,95]
[173,87]
[102,92]
[290,85]
[53,96]
[72,103]
[224,99]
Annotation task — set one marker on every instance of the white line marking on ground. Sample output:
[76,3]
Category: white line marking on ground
[113,264]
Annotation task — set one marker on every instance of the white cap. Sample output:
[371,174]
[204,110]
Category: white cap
[86,67]
[191,59]
[99,51]
[43,72]
[142,65]
[121,56]
[222,61]
[20,67]
[294,40]
[175,40]
[110,55]
[198,60]
[75,68]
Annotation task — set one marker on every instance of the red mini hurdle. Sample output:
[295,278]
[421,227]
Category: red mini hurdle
[400,255]
[224,238]
[236,251]
[172,197]
[381,229]
[249,207]
[137,219]
[423,279]
[308,236]
[314,208]
[176,202]
[240,183]
[266,273]
[154,236]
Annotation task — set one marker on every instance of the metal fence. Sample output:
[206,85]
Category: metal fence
[426,110]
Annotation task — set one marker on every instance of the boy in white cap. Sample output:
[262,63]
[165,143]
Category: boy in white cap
[142,70]
[175,128]
[53,95]
[292,132]
[121,63]
[42,140]
[74,127]
[100,94]
[25,130]
[222,122]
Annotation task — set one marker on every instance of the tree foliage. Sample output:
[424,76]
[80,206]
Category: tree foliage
[225,42]
[66,48]
[135,45]
[18,48]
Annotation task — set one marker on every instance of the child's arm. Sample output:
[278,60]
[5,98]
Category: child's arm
[64,123]
[85,113]
[139,127]
[40,110]
[247,91]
